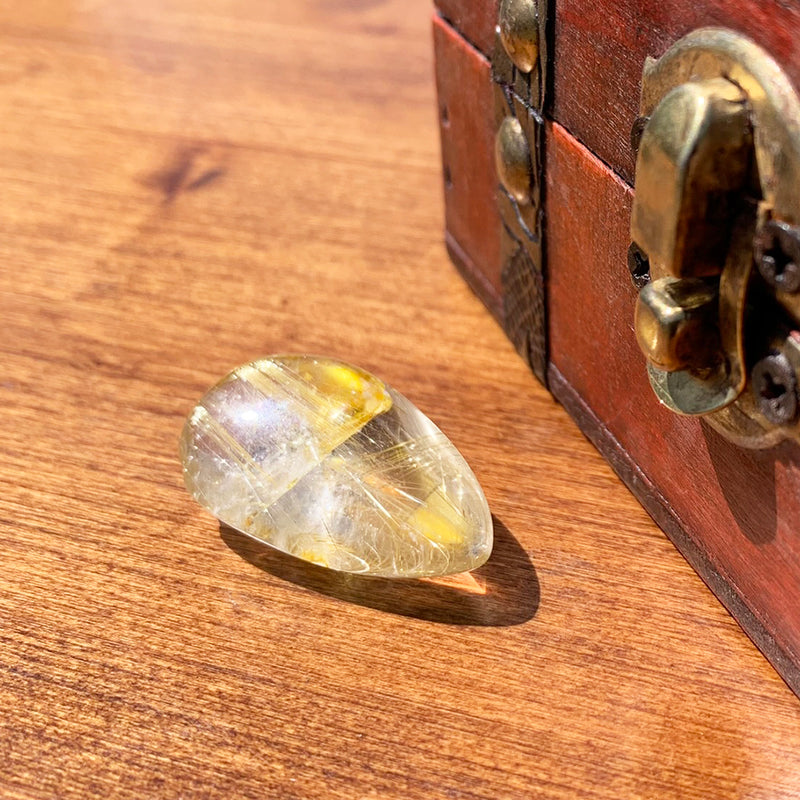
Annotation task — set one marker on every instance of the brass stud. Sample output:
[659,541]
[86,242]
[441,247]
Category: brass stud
[519,32]
[512,156]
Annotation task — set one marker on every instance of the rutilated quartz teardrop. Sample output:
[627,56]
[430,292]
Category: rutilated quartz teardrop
[322,460]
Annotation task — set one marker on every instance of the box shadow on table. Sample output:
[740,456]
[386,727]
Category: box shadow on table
[504,591]
[747,481]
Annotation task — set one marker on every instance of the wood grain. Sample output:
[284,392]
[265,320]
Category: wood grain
[600,49]
[737,507]
[188,186]
[467,128]
[475,19]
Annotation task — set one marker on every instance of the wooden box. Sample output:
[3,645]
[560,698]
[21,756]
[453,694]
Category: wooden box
[555,270]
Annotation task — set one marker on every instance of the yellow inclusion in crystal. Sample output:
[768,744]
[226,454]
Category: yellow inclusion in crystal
[362,394]
[336,398]
[314,557]
[438,521]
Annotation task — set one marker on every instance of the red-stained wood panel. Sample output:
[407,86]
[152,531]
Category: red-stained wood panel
[738,508]
[466,121]
[475,19]
[600,49]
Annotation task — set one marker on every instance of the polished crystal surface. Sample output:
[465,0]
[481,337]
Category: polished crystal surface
[324,461]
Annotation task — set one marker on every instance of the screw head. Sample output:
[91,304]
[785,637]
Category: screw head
[519,32]
[775,387]
[777,255]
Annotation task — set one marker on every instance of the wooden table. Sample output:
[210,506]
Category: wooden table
[188,185]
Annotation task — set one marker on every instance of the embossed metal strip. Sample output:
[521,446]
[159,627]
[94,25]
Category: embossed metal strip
[520,77]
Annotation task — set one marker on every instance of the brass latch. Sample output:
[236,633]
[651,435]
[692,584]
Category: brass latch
[716,242]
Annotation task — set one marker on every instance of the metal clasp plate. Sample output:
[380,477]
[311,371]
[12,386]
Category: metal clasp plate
[714,224]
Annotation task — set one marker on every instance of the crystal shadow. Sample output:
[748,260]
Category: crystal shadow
[504,591]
